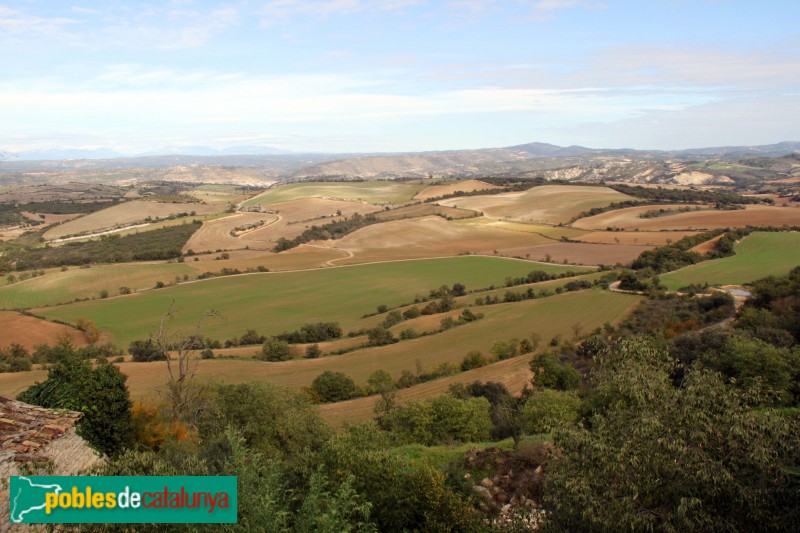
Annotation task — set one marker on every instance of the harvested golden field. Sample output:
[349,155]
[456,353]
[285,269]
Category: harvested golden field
[29,331]
[11,234]
[514,373]
[124,214]
[216,234]
[375,192]
[636,238]
[423,210]
[578,253]
[426,237]
[755,215]
[551,232]
[548,204]
[436,191]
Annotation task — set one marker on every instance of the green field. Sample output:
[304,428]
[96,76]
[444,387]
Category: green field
[758,255]
[274,302]
[60,287]
[376,192]
[546,317]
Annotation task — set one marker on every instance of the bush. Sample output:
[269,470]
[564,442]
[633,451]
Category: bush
[146,351]
[553,374]
[380,336]
[548,409]
[275,349]
[313,351]
[334,386]
[440,420]
[473,359]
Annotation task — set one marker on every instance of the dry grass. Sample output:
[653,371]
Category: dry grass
[549,204]
[49,218]
[707,246]
[755,215]
[124,214]
[463,186]
[29,331]
[551,232]
[422,210]
[303,257]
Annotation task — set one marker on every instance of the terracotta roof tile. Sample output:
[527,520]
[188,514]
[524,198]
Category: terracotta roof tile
[25,428]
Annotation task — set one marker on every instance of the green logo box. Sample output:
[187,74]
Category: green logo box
[123,499]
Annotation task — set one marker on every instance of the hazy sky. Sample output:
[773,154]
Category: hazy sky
[358,75]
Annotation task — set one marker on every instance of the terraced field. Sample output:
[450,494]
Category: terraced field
[375,192]
[59,287]
[274,302]
[548,204]
[757,255]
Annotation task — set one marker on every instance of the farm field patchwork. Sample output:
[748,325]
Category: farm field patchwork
[557,315]
[376,192]
[758,255]
[548,204]
[551,232]
[216,234]
[58,286]
[275,302]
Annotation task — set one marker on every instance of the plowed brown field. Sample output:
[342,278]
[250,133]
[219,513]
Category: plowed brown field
[29,331]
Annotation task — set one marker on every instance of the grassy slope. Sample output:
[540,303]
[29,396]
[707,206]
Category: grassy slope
[368,191]
[275,302]
[547,317]
[757,256]
[60,287]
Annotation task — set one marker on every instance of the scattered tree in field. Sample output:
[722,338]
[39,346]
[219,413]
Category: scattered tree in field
[334,386]
[275,349]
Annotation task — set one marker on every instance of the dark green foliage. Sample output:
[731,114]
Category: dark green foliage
[275,349]
[272,420]
[319,332]
[553,374]
[380,382]
[158,244]
[411,312]
[334,386]
[392,318]
[99,393]
[655,457]
[251,337]
[775,305]
[146,351]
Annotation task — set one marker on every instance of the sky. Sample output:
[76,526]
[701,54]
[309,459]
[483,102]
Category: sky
[397,75]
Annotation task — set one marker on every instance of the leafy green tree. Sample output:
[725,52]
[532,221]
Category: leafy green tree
[275,349]
[144,351]
[548,409]
[334,386]
[379,382]
[313,351]
[656,457]
[551,373]
[99,393]
[380,336]
[441,420]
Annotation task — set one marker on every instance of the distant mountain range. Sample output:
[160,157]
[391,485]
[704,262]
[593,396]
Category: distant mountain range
[535,159]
